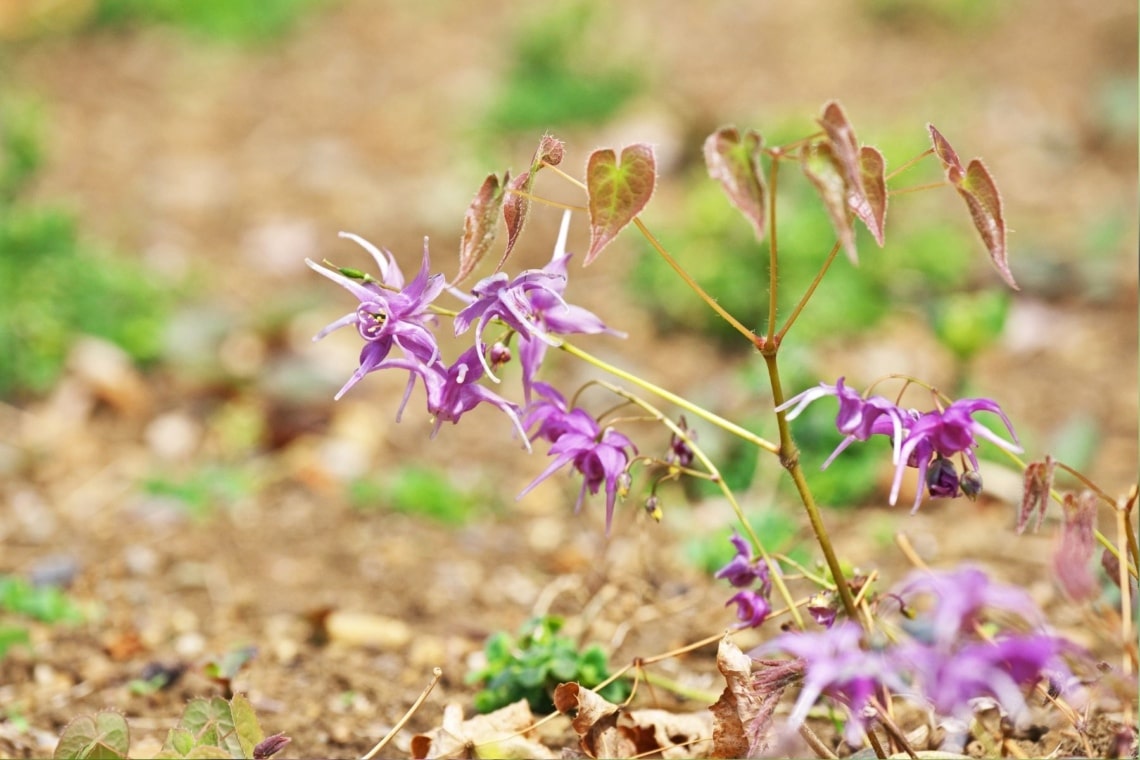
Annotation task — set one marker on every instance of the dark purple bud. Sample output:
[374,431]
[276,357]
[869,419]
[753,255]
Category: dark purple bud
[653,507]
[270,746]
[942,478]
[971,484]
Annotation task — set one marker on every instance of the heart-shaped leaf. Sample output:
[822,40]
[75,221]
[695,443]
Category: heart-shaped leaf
[516,205]
[480,224]
[980,192]
[617,191]
[871,206]
[984,201]
[734,161]
[824,171]
[103,735]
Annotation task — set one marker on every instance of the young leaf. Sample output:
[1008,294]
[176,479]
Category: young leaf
[844,145]
[946,153]
[871,206]
[480,224]
[982,197]
[246,727]
[734,161]
[103,735]
[515,206]
[978,189]
[617,191]
[825,172]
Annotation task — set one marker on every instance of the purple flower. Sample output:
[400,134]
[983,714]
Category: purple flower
[948,432]
[389,314]
[453,391]
[532,305]
[554,418]
[744,569]
[918,440]
[837,665]
[751,607]
[601,456]
[959,596]
[950,679]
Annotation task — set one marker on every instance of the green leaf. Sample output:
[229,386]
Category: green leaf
[480,224]
[825,172]
[246,726]
[103,735]
[734,160]
[178,742]
[617,191]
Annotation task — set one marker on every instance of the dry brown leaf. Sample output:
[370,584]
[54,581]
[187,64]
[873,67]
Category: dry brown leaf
[606,730]
[500,734]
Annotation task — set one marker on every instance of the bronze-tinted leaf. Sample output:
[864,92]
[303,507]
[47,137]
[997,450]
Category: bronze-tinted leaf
[480,225]
[516,206]
[944,152]
[1035,492]
[824,171]
[1075,550]
[734,161]
[871,206]
[984,200]
[550,150]
[617,191]
[844,145]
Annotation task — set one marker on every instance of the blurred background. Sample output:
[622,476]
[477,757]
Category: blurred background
[169,449]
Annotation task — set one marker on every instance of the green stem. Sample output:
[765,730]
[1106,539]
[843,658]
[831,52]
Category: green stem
[808,293]
[693,285]
[790,459]
[773,259]
[672,398]
[777,575]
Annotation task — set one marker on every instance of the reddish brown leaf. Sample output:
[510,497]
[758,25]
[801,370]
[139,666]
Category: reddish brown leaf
[949,157]
[480,225]
[516,206]
[1071,560]
[824,171]
[844,145]
[1035,492]
[617,191]
[734,161]
[984,201]
[871,206]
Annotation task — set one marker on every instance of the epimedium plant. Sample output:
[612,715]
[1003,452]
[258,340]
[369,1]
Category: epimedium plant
[943,639]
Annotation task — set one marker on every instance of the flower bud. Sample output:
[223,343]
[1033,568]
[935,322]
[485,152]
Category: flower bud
[500,354]
[971,484]
[942,478]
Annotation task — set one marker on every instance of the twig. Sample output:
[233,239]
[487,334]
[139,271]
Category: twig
[437,673]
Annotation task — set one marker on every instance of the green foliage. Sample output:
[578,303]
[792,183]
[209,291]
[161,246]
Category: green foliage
[555,77]
[201,491]
[11,636]
[243,21]
[966,323]
[101,736]
[20,150]
[47,604]
[209,728]
[532,664]
[55,288]
[416,491]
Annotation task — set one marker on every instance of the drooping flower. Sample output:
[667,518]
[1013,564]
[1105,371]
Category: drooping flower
[390,313]
[531,304]
[751,607]
[453,391]
[918,440]
[744,569]
[836,665]
[958,599]
[600,455]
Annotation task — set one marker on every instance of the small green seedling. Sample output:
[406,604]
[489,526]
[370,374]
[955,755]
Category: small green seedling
[223,670]
[531,665]
[47,604]
[102,735]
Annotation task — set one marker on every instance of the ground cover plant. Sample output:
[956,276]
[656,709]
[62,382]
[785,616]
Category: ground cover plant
[951,644]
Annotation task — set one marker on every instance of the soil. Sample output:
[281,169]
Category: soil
[226,165]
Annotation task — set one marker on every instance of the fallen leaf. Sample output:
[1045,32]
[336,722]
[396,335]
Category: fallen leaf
[500,734]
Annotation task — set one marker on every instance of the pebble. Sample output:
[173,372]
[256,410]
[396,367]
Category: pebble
[173,435]
[190,645]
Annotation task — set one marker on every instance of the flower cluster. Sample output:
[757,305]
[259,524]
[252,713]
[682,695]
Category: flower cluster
[745,571]
[924,441]
[601,455]
[940,659]
[395,319]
